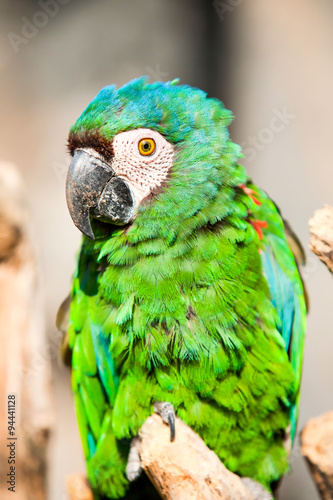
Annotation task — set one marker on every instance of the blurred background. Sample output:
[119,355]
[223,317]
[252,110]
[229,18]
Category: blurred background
[271,63]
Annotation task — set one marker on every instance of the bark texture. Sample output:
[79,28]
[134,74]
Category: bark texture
[24,372]
[180,470]
[78,488]
[317,448]
[317,437]
[321,230]
[186,468]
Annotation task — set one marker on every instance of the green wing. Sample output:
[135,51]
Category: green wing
[285,285]
[95,380]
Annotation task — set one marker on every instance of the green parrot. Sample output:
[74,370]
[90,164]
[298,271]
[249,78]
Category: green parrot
[186,296]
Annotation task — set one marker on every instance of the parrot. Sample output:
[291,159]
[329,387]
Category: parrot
[186,297]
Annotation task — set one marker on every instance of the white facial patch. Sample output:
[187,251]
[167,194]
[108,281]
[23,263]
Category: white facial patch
[141,170]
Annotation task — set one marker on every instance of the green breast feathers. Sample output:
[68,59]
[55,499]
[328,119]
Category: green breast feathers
[186,290]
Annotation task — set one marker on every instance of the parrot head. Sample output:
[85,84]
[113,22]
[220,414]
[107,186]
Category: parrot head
[159,148]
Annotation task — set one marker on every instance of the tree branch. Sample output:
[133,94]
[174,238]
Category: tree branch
[182,469]
[317,437]
[186,468]
[22,342]
[321,240]
[78,488]
[317,448]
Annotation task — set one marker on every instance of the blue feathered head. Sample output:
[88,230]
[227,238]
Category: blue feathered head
[204,160]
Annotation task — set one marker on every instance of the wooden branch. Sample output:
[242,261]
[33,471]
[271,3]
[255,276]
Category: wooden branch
[24,371]
[317,437]
[78,488]
[317,448]
[186,468]
[182,469]
[321,230]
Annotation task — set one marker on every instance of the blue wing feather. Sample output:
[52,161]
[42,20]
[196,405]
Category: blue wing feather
[287,296]
[280,251]
[282,294]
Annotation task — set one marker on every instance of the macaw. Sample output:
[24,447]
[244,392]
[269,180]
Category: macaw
[186,291]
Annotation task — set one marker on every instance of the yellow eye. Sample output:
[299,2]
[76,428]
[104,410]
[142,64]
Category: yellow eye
[147,146]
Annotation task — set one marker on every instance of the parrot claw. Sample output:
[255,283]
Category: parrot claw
[167,412]
[133,467]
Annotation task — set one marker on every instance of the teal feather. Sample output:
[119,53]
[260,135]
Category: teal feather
[282,292]
[287,292]
[106,369]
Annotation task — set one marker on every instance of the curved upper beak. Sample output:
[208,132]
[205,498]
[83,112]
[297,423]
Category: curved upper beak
[93,191]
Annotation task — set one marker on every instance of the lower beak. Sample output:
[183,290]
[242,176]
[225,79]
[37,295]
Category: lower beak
[93,191]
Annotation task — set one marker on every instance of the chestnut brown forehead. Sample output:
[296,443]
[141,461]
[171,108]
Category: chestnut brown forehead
[90,139]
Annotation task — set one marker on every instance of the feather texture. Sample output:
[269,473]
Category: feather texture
[190,303]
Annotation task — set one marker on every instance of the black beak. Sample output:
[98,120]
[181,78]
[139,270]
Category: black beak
[93,191]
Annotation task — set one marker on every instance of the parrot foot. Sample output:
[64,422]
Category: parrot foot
[167,412]
[133,467]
